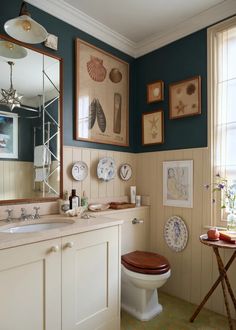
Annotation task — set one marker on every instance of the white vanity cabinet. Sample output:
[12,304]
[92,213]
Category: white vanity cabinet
[67,283]
[90,280]
[30,287]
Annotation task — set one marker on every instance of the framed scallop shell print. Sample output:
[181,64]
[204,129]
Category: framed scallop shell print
[102,90]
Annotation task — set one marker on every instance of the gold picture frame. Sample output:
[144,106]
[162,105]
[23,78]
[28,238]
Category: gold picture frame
[153,127]
[102,96]
[155,91]
[185,98]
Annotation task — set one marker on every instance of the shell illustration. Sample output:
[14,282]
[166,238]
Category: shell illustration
[115,75]
[101,117]
[96,111]
[92,113]
[96,70]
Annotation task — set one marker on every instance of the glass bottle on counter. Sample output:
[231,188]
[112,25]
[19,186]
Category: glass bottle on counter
[74,200]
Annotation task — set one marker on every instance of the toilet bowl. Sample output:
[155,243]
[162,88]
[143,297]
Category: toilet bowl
[142,273]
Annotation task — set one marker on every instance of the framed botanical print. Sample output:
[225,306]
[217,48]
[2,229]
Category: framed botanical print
[8,135]
[185,98]
[155,91]
[102,96]
[178,183]
[152,127]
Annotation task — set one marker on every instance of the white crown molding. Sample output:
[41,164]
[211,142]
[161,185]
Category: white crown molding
[78,19]
[195,23]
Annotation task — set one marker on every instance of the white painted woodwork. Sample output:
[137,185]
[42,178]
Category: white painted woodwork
[30,286]
[90,280]
[134,236]
[193,270]
[67,283]
[96,189]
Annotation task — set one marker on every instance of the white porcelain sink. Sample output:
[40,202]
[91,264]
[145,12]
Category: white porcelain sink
[36,227]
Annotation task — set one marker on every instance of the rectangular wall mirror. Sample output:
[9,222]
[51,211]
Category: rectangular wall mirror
[30,123]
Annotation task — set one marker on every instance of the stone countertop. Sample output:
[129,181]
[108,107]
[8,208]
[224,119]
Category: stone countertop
[76,226]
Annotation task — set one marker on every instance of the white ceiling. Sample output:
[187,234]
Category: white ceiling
[137,27]
[138,20]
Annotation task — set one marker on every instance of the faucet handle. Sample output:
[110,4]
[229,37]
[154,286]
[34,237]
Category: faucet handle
[9,214]
[36,208]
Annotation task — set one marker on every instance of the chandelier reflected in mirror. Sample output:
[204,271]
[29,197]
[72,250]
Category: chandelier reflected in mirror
[10,97]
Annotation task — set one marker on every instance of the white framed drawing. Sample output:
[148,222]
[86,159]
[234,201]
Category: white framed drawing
[178,183]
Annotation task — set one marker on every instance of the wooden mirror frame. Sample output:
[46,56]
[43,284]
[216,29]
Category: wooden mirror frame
[43,199]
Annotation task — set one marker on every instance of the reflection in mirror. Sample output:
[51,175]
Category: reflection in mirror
[30,132]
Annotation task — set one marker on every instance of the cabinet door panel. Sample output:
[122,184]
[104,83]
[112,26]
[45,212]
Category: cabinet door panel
[90,280]
[30,284]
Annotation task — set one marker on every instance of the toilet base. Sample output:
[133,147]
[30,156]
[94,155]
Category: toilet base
[141,303]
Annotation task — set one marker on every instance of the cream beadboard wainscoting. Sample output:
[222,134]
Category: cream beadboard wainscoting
[194,269]
[16,179]
[95,189]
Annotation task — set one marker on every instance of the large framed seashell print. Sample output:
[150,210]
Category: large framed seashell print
[102,96]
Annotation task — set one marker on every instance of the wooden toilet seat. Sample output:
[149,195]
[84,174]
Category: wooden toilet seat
[145,263]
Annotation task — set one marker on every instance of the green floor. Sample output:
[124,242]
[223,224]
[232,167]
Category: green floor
[175,316]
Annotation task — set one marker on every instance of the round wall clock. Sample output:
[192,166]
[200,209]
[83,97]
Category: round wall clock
[79,171]
[176,233]
[125,172]
[106,169]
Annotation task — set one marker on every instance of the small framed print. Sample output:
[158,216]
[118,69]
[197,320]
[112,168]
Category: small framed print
[185,98]
[155,91]
[153,127]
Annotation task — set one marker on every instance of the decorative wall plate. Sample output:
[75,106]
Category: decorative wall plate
[106,169]
[125,172]
[176,233]
[79,171]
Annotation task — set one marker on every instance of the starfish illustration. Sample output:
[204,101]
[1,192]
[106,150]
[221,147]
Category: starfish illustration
[153,122]
[180,107]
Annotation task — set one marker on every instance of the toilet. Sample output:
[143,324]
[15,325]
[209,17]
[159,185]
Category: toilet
[142,273]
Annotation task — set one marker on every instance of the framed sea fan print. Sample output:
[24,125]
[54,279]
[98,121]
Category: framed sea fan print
[102,96]
[185,98]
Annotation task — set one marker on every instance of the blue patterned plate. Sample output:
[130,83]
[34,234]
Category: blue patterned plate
[176,233]
[106,169]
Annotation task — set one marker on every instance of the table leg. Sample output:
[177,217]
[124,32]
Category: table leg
[214,286]
[222,272]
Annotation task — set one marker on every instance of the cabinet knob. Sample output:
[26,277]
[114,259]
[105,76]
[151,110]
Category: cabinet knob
[69,245]
[54,248]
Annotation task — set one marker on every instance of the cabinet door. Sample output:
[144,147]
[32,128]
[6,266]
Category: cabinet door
[91,280]
[30,284]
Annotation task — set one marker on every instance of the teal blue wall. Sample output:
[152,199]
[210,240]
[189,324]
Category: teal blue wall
[179,60]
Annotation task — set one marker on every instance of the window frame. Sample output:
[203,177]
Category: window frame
[218,216]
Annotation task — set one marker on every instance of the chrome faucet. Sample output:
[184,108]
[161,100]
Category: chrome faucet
[9,215]
[24,216]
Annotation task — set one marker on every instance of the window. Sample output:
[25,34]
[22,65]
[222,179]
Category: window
[222,98]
